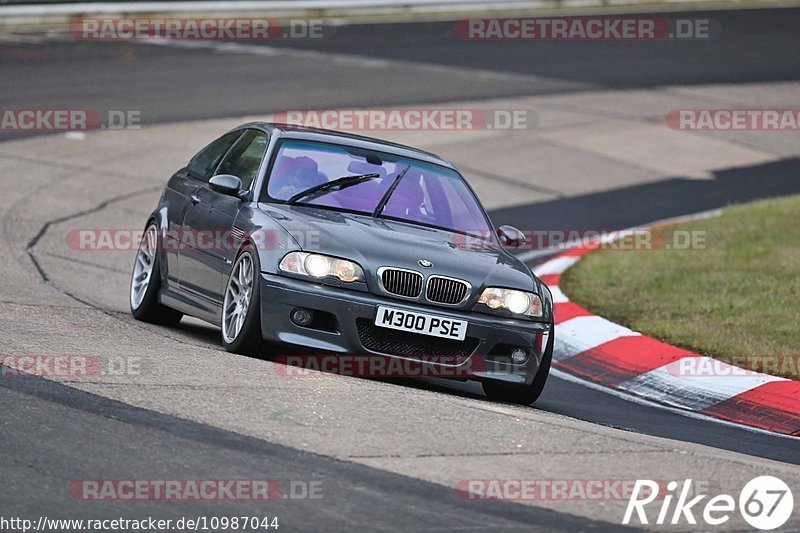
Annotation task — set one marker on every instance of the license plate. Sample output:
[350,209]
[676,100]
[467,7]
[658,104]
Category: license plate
[435,326]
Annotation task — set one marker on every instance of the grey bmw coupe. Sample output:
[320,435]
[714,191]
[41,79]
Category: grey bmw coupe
[342,244]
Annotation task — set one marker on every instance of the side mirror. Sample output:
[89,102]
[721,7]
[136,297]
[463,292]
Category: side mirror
[511,236]
[226,184]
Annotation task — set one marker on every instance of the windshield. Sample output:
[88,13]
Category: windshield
[426,194]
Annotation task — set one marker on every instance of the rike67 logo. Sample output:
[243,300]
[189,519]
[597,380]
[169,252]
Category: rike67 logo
[765,503]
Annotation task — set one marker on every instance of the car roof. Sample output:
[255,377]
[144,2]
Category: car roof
[291,131]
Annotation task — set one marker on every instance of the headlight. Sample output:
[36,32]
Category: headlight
[321,266]
[518,302]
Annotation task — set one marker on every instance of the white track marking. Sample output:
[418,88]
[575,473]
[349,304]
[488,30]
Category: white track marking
[666,384]
[558,295]
[679,386]
[256,5]
[583,333]
[555,266]
[380,7]
[628,397]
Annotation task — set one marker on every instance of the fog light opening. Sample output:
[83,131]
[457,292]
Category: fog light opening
[518,355]
[302,317]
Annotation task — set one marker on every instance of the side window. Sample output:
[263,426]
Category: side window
[245,157]
[203,164]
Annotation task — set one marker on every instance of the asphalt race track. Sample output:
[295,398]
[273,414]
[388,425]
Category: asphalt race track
[387,454]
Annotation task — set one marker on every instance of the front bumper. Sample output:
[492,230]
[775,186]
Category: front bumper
[489,360]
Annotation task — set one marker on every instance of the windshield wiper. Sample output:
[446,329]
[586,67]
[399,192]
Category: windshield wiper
[395,183]
[336,185]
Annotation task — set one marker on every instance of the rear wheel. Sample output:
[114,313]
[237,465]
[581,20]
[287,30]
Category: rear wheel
[526,394]
[241,308]
[146,282]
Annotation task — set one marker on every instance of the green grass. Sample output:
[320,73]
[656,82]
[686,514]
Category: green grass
[738,295]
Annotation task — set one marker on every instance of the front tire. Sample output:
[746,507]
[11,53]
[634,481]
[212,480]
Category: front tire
[525,394]
[241,306]
[146,283]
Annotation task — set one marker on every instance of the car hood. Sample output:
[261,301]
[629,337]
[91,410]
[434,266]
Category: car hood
[376,242]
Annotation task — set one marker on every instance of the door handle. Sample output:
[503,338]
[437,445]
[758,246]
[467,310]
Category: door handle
[194,199]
